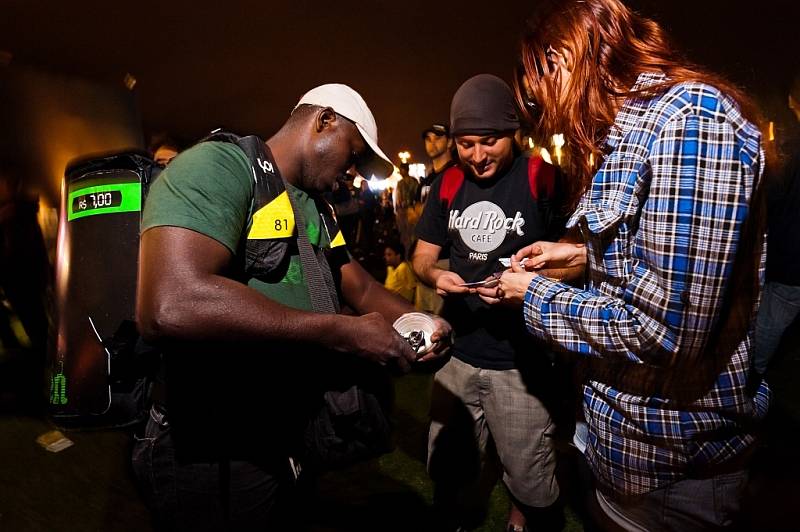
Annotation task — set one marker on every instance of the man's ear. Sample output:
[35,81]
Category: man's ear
[449,143]
[325,118]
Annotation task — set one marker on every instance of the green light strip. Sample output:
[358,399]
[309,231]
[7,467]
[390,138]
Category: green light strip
[131,199]
[58,389]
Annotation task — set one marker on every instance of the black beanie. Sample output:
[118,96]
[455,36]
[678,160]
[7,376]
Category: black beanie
[483,105]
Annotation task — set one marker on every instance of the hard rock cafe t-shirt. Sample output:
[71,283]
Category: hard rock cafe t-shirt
[486,220]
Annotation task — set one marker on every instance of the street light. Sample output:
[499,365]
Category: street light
[558,142]
[404,156]
[416,170]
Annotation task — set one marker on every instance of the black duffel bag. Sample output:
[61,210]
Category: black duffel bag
[351,422]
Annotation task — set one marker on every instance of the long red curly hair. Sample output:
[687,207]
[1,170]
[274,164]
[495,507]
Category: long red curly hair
[606,47]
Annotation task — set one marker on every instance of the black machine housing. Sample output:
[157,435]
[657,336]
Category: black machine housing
[100,371]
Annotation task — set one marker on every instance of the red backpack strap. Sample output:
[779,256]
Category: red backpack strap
[541,178]
[452,180]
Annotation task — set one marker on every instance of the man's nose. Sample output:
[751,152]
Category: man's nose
[478,154]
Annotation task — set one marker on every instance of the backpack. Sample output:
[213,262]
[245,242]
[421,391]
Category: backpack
[101,374]
[541,181]
[351,422]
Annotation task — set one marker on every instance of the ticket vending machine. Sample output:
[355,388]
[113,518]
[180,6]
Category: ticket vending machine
[97,261]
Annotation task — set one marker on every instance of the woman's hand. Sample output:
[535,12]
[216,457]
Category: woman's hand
[511,288]
[557,260]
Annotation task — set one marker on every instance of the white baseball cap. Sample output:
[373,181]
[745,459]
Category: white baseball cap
[348,103]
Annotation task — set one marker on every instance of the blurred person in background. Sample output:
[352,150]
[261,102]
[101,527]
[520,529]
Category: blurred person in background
[400,278]
[163,149]
[405,197]
[439,147]
[26,287]
[780,302]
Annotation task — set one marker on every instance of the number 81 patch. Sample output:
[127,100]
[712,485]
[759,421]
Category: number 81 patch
[273,220]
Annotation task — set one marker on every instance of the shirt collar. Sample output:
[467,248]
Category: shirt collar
[629,115]
[632,109]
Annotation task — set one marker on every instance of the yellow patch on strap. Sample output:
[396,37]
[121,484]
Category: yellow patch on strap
[338,240]
[273,220]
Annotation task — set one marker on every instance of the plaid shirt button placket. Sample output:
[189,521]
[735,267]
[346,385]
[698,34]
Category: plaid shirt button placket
[661,223]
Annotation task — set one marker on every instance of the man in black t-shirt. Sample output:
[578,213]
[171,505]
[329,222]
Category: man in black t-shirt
[495,203]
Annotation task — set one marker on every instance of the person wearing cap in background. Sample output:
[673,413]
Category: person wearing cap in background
[439,147]
[488,412]
[237,350]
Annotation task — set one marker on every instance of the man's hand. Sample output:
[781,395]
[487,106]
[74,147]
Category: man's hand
[372,337]
[449,283]
[442,339]
[444,281]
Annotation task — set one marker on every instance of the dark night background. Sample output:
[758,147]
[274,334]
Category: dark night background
[244,64]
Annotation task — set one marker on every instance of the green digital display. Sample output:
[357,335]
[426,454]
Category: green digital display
[104,199]
[96,200]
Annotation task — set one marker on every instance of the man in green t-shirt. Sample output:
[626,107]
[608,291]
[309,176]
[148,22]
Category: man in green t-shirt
[240,353]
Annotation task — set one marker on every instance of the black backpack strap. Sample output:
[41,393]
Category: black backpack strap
[264,255]
[264,252]
[269,185]
[319,280]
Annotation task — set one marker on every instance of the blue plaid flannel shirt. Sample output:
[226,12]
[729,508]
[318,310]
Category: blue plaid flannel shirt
[661,222]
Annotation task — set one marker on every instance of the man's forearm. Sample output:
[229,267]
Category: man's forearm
[426,270]
[376,298]
[184,295]
[216,308]
[364,294]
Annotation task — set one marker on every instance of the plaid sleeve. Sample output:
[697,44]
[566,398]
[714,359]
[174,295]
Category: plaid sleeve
[586,322]
[662,276]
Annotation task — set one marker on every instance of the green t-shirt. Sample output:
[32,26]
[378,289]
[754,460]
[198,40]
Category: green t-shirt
[209,189]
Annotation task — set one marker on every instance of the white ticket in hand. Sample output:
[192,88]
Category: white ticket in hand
[506,261]
[491,282]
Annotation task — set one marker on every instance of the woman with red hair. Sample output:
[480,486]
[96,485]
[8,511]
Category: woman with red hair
[666,164]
